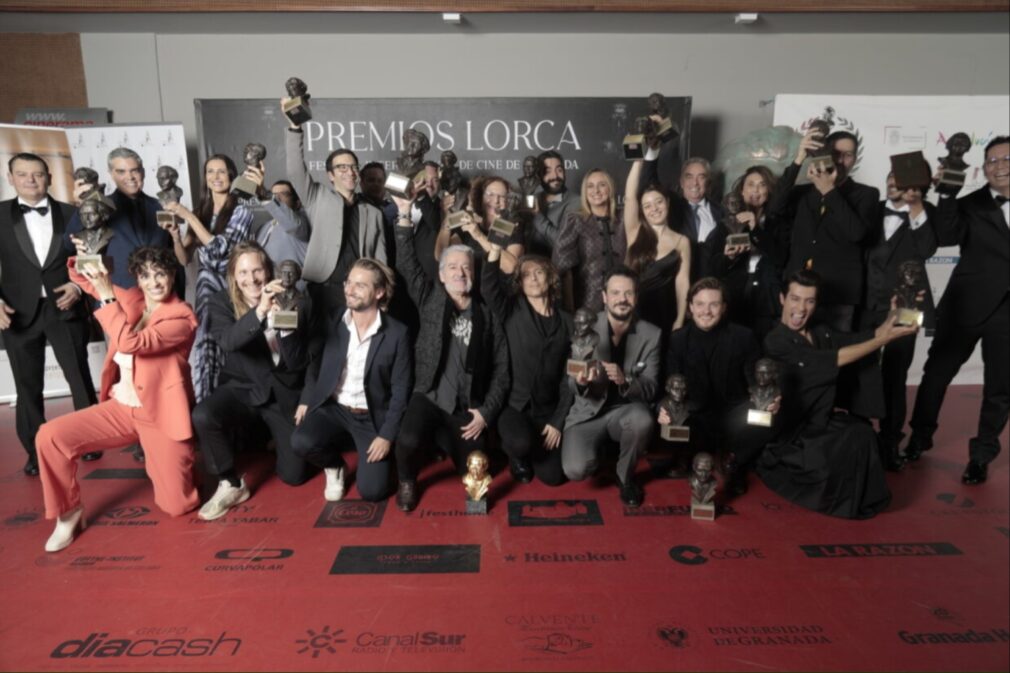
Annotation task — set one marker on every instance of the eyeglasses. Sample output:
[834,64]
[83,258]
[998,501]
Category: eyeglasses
[995,161]
[343,168]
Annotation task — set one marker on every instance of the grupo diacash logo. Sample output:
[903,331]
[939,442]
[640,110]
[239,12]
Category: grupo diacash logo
[101,646]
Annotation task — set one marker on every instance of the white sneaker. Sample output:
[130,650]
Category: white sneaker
[334,484]
[226,497]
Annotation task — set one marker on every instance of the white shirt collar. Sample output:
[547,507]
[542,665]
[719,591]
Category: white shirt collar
[903,208]
[372,329]
[43,203]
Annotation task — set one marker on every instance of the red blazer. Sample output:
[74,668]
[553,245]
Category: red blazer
[160,352]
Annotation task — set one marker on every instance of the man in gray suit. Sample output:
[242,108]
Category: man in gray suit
[611,400]
[344,228]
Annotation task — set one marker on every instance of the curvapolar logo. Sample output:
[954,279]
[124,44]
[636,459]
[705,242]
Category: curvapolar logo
[23,517]
[101,646]
[351,514]
[674,636]
[556,643]
[878,549]
[690,555]
[134,515]
[554,513]
[317,642]
[250,560]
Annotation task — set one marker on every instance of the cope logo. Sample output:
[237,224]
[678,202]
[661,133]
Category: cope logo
[317,642]
[351,514]
[690,555]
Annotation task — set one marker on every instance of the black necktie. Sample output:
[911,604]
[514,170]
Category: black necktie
[1000,200]
[42,210]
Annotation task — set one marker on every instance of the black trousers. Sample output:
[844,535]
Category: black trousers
[426,426]
[26,351]
[223,423]
[951,348]
[329,429]
[720,433]
[521,439]
[894,364]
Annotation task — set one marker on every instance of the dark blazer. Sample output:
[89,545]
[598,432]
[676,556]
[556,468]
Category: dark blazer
[716,385]
[388,373]
[542,382]
[22,275]
[127,238]
[982,276]
[249,367]
[832,241]
[771,240]
[487,360]
[883,257]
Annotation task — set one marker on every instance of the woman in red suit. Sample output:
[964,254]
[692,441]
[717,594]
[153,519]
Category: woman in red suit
[146,393]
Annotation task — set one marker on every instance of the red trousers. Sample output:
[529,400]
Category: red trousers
[106,426]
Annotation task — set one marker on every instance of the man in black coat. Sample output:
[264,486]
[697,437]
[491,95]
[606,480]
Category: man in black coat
[462,362]
[975,305]
[37,300]
[831,218]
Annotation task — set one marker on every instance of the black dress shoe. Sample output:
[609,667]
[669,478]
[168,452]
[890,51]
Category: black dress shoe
[31,468]
[890,458]
[91,455]
[736,477]
[138,454]
[917,445]
[975,473]
[521,471]
[406,496]
[632,494]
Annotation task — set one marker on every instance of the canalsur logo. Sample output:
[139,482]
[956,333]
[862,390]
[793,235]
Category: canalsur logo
[317,642]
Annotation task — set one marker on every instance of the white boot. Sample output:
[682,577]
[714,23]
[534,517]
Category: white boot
[226,497]
[66,529]
[334,484]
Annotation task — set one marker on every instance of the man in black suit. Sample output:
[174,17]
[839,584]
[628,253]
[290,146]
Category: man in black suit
[462,376]
[975,305]
[831,218]
[37,300]
[357,386]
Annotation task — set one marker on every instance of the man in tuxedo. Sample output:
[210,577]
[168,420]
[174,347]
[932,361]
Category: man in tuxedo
[975,305]
[831,218]
[357,387]
[37,300]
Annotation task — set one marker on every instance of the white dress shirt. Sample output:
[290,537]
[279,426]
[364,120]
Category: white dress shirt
[40,230]
[892,222]
[706,223]
[350,390]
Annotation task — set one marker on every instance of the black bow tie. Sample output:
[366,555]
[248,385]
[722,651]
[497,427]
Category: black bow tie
[1000,200]
[41,210]
[903,214]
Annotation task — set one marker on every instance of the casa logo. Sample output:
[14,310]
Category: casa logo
[672,636]
[578,557]
[22,518]
[556,643]
[259,559]
[672,510]
[968,637]
[690,555]
[327,640]
[554,513]
[961,505]
[103,646]
[878,549]
[135,515]
[768,635]
[351,514]
[237,515]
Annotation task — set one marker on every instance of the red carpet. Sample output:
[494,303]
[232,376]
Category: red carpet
[551,579]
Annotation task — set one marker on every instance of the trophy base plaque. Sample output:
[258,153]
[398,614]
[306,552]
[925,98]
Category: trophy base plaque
[665,130]
[404,187]
[908,317]
[702,511]
[476,506]
[576,367]
[953,178]
[531,201]
[297,111]
[283,320]
[738,239]
[457,220]
[244,187]
[762,418]
[165,218]
[84,261]
[823,162]
[503,227]
[634,146]
[675,433]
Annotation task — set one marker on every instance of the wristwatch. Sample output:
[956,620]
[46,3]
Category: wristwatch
[106,302]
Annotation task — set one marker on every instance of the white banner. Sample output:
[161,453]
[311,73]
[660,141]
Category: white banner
[887,125]
[54,384]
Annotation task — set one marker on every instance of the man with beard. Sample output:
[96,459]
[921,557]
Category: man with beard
[462,363]
[824,460]
[553,203]
[975,306]
[611,400]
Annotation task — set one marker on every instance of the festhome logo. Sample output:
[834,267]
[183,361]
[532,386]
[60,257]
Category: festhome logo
[318,642]
[674,636]
[691,555]
[100,646]
[556,643]
[351,514]
[554,513]
[879,549]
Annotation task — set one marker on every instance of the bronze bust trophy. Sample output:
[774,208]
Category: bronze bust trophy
[665,128]
[821,159]
[639,139]
[529,181]
[451,181]
[738,233]
[89,176]
[584,343]
[94,215]
[703,487]
[675,405]
[290,300]
[909,293]
[408,178]
[296,108]
[252,156]
[953,168]
[476,481]
[763,392]
[170,193]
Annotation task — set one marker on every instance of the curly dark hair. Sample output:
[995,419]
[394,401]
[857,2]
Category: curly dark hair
[553,277]
[158,258]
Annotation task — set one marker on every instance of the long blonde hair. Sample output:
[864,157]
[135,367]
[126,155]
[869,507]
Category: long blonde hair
[586,211]
[234,293]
